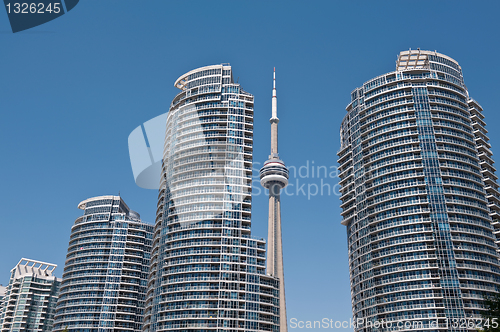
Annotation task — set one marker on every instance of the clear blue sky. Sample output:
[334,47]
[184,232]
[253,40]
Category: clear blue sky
[72,90]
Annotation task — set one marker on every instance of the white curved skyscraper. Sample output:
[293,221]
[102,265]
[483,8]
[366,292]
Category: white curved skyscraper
[207,271]
[105,274]
[418,198]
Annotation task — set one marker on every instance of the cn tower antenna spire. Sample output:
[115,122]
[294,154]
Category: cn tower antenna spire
[274,176]
[274,79]
[274,121]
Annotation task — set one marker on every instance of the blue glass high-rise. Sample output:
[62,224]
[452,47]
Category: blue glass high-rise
[419,198]
[29,300]
[105,275]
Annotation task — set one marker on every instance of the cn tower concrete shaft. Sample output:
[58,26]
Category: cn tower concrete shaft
[275,251]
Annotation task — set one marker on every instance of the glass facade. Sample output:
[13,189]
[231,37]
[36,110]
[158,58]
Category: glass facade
[105,275]
[2,295]
[30,297]
[207,271]
[419,198]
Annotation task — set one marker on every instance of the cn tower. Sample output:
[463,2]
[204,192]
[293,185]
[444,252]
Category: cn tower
[274,176]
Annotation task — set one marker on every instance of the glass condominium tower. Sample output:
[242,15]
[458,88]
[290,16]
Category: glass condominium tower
[419,198]
[30,297]
[207,271]
[105,274]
